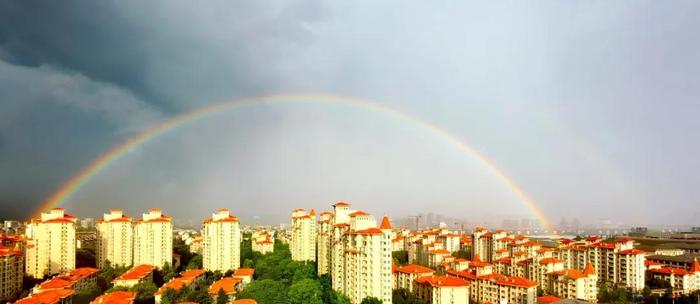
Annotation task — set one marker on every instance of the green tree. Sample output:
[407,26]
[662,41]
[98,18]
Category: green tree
[305,291]
[265,291]
[404,296]
[221,297]
[371,300]
[462,254]
[400,257]
[84,258]
[87,294]
[144,292]
[169,296]
[195,262]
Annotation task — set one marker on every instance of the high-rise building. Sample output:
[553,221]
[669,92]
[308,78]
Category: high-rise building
[153,239]
[115,239]
[325,231]
[222,242]
[303,242]
[51,244]
[12,270]
[361,255]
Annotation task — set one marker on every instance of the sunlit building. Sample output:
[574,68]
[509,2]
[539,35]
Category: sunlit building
[115,239]
[442,290]
[361,255]
[51,244]
[222,242]
[325,231]
[11,272]
[153,239]
[262,242]
[303,242]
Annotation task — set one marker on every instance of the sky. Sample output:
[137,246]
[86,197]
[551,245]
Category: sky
[591,107]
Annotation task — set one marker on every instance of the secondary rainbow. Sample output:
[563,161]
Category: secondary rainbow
[80,179]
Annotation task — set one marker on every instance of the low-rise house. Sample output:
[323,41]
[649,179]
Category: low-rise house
[442,290]
[135,275]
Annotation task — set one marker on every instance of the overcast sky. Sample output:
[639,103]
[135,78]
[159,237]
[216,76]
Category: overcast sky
[591,106]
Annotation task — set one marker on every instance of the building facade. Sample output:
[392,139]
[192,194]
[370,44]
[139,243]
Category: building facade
[115,239]
[222,242]
[153,239]
[51,244]
[303,242]
[11,273]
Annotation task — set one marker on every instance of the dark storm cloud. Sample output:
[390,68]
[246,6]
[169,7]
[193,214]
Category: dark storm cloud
[168,55]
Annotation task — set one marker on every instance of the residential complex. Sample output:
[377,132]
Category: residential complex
[115,239]
[50,246]
[303,242]
[222,242]
[153,239]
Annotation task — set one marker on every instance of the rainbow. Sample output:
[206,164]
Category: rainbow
[87,173]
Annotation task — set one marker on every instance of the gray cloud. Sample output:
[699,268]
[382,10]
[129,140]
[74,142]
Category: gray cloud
[588,105]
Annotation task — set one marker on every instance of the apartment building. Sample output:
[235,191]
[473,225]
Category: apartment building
[262,242]
[303,242]
[222,242]
[11,272]
[115,239]
[442,290]
[50,246]
[325,233]
[153,239]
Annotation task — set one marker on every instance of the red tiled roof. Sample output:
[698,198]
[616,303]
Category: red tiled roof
[589,270]
[632,251]
[603,245]
[192,273]
[695,267]
[550,261]
[227,284]
[47,297]
[571,273]
[386,224]
[136,273]
[244,272]
[413,269]
[117,297]
[547,299]
[175,284]
[341,204]
[244,301]
[442,281]
[670,270]
[367,231]
[516,282]
[358,213]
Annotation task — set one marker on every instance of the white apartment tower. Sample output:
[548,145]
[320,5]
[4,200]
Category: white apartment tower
[325,233]
[361,255]
[115,239]
[153,239]
[51,244]
[222,242]
[303,242]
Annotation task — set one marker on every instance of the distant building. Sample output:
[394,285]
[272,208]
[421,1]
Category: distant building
[303,242]
[87,223]
[51,245]
[153,239]
[115,239]
[222,242]
[639,230]
[262,242]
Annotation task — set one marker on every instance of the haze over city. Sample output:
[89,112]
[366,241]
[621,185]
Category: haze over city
[590,108]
